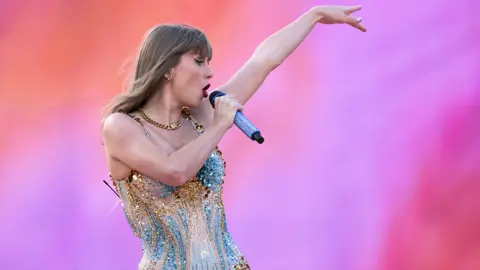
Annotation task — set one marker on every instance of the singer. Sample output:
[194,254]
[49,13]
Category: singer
[161,137]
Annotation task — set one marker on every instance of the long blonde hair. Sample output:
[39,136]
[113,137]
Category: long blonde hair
[160,51]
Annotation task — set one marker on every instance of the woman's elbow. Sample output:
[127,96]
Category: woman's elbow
[268,58]
[176,176]
[266,62]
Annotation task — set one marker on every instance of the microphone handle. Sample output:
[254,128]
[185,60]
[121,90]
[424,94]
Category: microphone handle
[240,121]
[247,127]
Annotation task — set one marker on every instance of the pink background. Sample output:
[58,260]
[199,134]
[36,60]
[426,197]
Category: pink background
[372,152]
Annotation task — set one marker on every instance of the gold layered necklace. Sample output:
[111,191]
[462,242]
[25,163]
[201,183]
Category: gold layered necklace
[155,123]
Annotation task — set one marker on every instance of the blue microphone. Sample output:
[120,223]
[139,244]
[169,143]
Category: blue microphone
[240,121]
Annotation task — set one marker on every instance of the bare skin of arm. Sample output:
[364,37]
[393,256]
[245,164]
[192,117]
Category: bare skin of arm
[275,49]
[126,143]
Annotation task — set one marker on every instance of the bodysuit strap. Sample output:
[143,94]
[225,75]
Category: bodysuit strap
[195,124]
[140,122]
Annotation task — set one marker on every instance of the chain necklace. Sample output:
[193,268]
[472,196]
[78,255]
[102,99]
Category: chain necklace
[155,123]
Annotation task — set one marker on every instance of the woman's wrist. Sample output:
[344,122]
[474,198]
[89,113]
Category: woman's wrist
[316,13]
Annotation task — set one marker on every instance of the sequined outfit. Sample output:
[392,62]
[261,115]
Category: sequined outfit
[181,227]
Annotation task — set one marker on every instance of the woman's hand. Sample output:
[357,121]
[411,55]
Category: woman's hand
[339,15]
[225,109]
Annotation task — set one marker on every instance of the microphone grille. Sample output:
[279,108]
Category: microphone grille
[213,96]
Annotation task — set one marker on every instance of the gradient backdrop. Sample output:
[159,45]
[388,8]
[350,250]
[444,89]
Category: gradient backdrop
[372,152]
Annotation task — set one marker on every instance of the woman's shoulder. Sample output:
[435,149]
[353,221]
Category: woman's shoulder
[120,124]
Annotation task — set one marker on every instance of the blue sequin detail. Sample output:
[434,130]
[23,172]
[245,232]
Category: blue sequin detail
[212,172]
[178,240]
[207,208]
[183,216]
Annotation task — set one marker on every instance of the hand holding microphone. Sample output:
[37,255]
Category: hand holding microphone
[229,110]
[225,109]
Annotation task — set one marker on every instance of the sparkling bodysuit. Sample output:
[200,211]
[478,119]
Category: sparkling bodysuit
[181,227]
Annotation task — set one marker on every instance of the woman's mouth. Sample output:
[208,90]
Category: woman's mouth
[204,90]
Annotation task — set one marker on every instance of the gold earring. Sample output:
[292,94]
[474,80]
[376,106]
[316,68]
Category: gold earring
[168,76]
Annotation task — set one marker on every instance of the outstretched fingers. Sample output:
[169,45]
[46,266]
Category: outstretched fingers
[351,9]
[355,21]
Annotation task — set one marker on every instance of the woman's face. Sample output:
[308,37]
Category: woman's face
[190,79]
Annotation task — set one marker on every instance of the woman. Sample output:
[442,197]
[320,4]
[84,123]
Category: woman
[160,140]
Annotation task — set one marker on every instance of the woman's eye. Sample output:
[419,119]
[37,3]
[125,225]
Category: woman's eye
[199,62]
